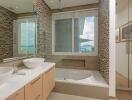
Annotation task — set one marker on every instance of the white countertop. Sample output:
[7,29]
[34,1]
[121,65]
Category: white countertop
[19,81]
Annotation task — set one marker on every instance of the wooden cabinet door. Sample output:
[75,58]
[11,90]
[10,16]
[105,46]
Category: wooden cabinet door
[19,95]
[46,85]
[48,82]
[33,91]
[52,78]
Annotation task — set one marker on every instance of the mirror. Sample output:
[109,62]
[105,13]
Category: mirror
[18,27]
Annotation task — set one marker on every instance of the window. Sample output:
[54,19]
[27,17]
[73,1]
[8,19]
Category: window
[75,32]
[63,35]
[26,36]
[84,34]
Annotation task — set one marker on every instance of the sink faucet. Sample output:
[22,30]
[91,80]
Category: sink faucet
[15,68]
[16,71]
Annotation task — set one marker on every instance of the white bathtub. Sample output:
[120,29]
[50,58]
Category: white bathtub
[81,83]
[85,77]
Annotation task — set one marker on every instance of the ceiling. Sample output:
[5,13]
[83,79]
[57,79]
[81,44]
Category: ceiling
[18,6]
[54,4]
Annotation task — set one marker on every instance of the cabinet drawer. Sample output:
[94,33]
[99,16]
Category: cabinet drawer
[19,95]
[48,82]
[33,91]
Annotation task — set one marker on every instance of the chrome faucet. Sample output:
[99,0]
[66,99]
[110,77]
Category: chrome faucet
[15,69]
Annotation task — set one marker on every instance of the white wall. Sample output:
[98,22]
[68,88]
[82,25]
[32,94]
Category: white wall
[112,48]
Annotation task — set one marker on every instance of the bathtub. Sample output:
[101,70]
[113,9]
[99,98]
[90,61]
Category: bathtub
[85,83]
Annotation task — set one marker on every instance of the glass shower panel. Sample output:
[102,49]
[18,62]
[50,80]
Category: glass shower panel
[130,33]
[130,66]
[122,47]
[121,65]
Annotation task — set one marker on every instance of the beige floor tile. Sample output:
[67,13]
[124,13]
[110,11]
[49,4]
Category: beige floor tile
[58,96]
[124,95]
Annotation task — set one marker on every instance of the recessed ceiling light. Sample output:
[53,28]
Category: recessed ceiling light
[52,1]
[16,7]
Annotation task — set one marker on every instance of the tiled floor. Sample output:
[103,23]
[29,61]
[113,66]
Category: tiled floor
[121,95]
[58,96]
[124,95]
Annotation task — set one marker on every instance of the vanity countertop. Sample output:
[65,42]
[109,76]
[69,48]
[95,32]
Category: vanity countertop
[19,81]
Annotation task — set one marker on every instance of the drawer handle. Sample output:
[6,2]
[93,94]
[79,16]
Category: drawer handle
[35,81]
[37,98]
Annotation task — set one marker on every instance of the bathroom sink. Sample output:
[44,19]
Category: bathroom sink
[33,62]
[5,74]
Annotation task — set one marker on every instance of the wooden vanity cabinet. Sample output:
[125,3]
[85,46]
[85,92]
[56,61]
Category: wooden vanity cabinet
[48,82]
[41,87]
[33,90]
[19,95]
[37,89]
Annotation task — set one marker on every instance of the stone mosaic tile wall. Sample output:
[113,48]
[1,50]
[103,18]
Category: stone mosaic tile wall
[104,38]
[6,33]
[44,27]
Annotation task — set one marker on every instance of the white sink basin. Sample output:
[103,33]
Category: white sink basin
[33,62]
[5,74]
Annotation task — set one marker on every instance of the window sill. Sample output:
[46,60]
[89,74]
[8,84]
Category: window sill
[75,54]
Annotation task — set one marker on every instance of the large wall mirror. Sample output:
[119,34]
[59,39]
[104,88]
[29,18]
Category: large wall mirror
[18,28]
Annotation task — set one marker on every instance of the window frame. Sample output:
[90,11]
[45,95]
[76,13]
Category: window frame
[17,38]
[73,15]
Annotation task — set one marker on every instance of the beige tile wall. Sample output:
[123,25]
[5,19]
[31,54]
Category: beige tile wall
[6,33]
[104,38]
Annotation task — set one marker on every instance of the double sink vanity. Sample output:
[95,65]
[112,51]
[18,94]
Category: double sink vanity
[33,83]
